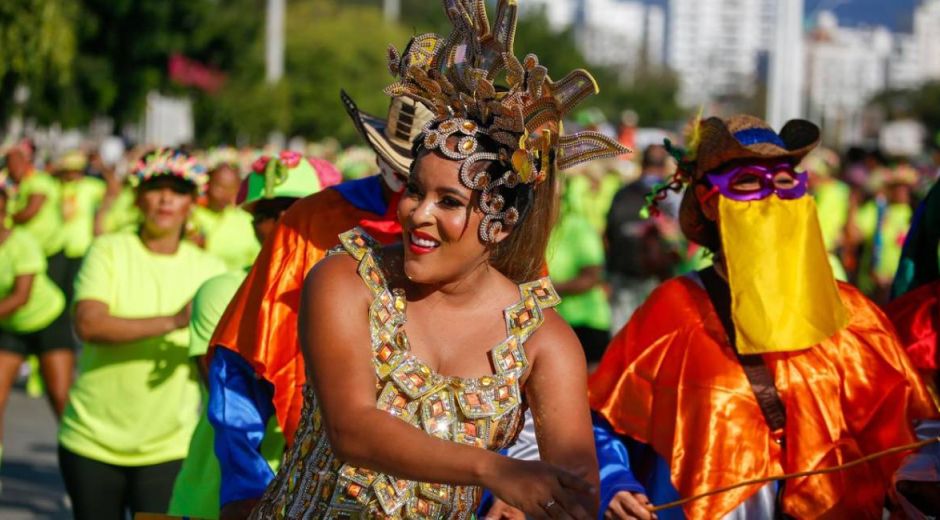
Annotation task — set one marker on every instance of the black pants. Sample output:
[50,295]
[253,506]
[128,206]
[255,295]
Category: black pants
[593,341]
[102,491]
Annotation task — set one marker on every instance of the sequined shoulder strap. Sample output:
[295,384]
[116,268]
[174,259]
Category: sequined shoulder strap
[359,245]
[525,317]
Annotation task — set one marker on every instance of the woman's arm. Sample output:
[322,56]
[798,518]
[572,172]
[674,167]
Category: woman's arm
[588,277]
[33,205]
[334,337]
[556,390]
[18,296]
[94,323]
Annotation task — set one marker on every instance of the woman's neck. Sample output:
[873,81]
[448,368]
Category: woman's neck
[468,288]
[164,244]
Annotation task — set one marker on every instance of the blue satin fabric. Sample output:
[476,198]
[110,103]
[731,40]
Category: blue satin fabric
[239,410]
[365,194]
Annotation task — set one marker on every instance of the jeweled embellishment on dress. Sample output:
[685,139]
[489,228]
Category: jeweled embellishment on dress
[485,412]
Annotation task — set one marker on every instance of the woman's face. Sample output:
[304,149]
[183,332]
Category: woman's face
[164,209]
[440,223]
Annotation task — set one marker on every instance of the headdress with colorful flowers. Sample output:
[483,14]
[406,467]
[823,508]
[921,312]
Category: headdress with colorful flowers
[478,90]
[169,162]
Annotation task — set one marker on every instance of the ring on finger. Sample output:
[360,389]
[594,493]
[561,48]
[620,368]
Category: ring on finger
[549,504]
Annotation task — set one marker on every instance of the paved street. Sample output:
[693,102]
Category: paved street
[32,487]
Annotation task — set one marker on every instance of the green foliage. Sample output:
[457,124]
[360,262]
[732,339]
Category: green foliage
[101,57]
[37,45]
[922,104]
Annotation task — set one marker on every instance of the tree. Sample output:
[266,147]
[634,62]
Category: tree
[37,45]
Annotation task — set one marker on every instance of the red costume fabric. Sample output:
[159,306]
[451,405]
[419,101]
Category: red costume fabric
[260,323]
[916,315]
[671,380]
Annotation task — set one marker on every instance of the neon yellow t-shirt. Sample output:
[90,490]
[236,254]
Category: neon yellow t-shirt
[80,200]
[196,491]
[46,225]
[229,235]
[20,255]
[573,245]
[136,403]
[123,215]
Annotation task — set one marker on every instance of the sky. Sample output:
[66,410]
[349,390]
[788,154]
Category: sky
[894,14]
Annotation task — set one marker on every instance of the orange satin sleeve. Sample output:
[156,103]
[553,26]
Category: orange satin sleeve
[669,379]
[261,321]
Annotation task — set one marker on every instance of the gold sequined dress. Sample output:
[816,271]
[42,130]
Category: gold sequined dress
[486,412]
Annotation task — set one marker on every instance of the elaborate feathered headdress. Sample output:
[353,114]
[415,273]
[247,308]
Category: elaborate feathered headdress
[477,88]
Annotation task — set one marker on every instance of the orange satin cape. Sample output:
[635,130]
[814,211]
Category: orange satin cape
[260,323]
[671,380]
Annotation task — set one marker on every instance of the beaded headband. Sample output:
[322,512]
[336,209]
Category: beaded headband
[457,78]
[167,162]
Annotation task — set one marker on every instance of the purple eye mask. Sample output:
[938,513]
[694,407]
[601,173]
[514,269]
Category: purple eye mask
[724,181]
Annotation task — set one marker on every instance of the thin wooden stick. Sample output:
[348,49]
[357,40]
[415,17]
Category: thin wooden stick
[764,480]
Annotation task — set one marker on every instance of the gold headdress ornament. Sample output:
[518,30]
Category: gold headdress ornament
[457,78]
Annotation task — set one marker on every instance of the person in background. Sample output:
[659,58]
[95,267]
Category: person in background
[117,211]
[639,252]
[881,225]
[37,209]
[33,319]
[832,202]
[221,227]
[256,368]
[196,492]
[135,403]
[575,258]
[81,197]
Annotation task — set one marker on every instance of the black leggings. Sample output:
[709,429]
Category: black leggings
[102,491]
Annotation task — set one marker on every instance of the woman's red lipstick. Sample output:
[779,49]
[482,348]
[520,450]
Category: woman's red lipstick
[421,243]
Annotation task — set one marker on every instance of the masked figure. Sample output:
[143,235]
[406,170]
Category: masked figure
[763,364]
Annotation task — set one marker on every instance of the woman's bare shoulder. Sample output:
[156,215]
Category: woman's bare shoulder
[554,338]
[336,277]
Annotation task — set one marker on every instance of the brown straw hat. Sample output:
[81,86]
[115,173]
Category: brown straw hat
[391,138]
[739,137]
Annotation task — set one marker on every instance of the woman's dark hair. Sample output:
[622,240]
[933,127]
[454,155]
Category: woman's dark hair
[178,185]
[521,255]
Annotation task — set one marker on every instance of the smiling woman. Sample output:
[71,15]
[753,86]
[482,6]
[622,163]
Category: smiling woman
[134,404]
[406,410]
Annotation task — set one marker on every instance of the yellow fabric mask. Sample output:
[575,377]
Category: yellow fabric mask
[783,294]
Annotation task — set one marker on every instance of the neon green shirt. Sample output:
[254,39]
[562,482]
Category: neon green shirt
[229,235]
[575,244]
[136,403]
[832,204]
[20,255]
[46,225]
[196,491]
[80,200]
[123,214]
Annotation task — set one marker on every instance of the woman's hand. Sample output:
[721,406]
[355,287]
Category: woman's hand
[181,318]
[540,490]
[629,506]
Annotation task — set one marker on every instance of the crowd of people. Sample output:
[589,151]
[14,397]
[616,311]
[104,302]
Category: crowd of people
[478,313]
